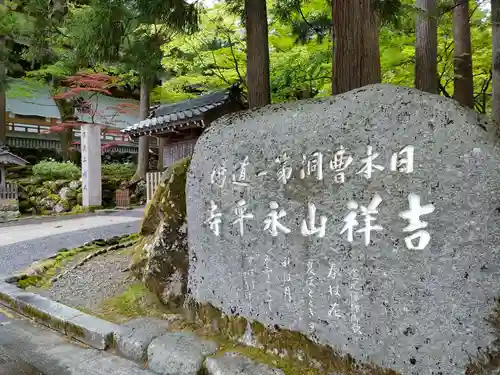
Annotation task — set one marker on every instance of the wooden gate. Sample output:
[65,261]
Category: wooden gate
[122,198]
[152,181]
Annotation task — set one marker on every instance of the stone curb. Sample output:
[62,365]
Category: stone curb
[40,219]
[88,329]
[139,347]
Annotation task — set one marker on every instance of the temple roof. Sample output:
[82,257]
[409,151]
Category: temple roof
[170,116]
[8,158]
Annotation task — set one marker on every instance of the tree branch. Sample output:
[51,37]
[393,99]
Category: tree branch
[235,61]
[442,89]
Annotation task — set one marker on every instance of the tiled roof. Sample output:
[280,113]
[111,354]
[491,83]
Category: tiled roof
[173,115]
[7,157]
[29,98]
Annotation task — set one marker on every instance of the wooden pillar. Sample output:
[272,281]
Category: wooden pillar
[162,142]
[3,176]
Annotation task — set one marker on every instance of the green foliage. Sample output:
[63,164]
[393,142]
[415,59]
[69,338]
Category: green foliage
[129,32]
[142,38]
[117,170]
[209,60]
[398,54]
[53,170]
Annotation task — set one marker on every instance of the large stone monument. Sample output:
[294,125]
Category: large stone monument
[91,165]
[367,221]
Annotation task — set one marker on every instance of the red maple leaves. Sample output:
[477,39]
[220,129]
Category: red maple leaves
[80,89]
[87,82]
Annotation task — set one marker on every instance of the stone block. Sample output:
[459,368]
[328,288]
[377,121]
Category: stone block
[235,363]
[367,221]
[43,310]
[9,215]
[133,338]
[7,291]
[92,331]
[179,353]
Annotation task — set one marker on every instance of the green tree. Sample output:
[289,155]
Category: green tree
[215,58]
[50,45]
[426,46]
[495,29]
[132,33]
[464,84]
[259,92]
[212,59]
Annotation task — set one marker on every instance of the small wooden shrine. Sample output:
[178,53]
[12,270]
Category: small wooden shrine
[177,126]
[7,158]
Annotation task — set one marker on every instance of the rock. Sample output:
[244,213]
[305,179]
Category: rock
[49,202]
[66,193]
[34,180]
[390,264]
[179,353]
[61,183]
[236,364]
[42,192]
[74,185]
[161,256]
[24,205]
[8,215]
[113,240]
[134,337]
[62,206]
[9,205]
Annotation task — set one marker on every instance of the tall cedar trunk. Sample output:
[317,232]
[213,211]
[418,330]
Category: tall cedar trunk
[356,54]
[3,86]
[143,156]
[67,113]
[3,117]
[464,86]
[426,47]
[259,91]
[495,22]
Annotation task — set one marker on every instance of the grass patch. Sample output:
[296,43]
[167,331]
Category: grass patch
[29,281]
[135,302]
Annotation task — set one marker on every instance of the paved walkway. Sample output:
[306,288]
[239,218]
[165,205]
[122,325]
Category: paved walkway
[10,363]
[23,244]
[30,349]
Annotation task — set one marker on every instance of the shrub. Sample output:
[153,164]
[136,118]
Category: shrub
[120,171]
[53,170]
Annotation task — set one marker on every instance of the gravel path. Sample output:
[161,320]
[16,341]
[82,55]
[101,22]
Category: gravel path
[97,280]
[23,244]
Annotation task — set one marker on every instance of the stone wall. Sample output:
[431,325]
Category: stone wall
[9,209]
[43,196]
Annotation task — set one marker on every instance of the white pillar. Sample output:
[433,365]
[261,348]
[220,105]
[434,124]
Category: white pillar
[91,165]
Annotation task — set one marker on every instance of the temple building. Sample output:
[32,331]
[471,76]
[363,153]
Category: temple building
[177,126]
